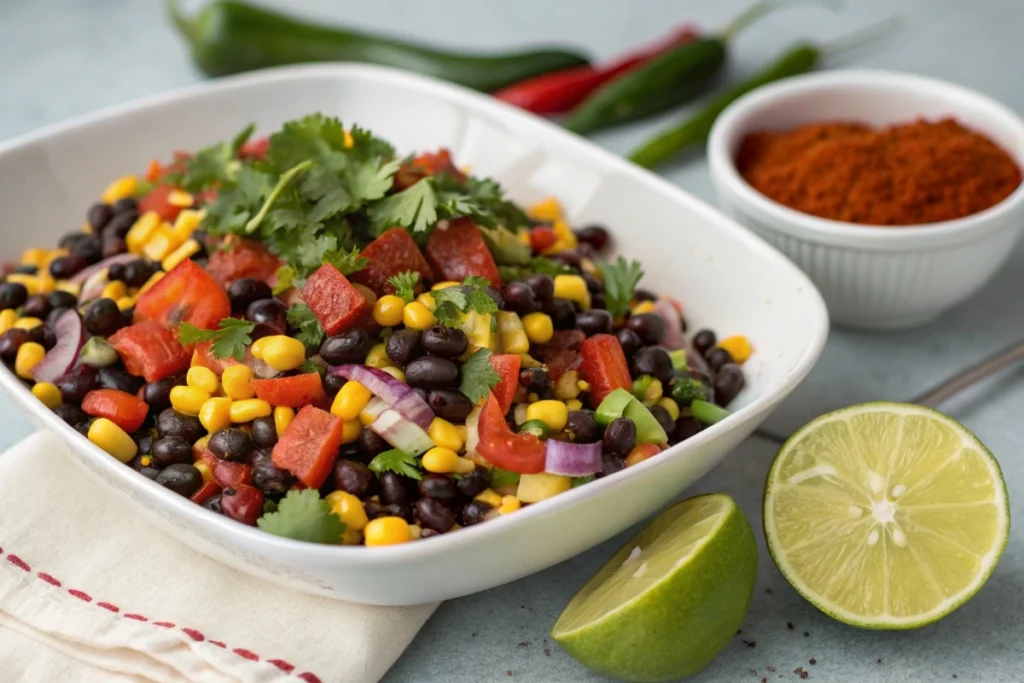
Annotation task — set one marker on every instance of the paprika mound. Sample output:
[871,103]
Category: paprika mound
[905,174]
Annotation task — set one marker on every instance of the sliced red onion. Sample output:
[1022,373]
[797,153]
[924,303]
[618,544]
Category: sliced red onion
[395,393]
[572,459]
[375,407]
[401,432]
[473,430]
[81,276]
[674,337]
[70,333]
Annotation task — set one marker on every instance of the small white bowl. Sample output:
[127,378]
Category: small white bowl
[873,277]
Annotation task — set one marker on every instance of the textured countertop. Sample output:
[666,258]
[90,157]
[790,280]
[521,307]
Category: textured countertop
[61,58]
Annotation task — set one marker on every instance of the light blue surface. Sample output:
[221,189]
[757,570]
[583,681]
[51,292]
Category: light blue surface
[61,58]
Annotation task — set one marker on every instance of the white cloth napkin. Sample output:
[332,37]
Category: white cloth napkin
[91,592]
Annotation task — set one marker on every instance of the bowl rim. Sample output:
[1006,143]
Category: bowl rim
[727,178]
[359,556]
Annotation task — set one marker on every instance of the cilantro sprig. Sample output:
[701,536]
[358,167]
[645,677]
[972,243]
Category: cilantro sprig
[304,516]
[311,333]
[405,284]
[229,340]
[620,281]
[397,461]
[212,165]
[478,375]
[452,302]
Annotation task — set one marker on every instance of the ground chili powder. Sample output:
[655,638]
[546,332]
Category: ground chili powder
[906,174]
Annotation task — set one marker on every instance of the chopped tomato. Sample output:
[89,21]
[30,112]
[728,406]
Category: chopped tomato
[459,251]
[201,355]
[205,491]
[507,366]
[500,446]
[427,164]
[231,474]
[243,258]
[604,366]
[334,301]
[392,253]
[309,446]
[294,392]
[149,350]
[154,171]
[254,149]
[125,410]
[158,200]
[562,353]
[186,294]
[541,238]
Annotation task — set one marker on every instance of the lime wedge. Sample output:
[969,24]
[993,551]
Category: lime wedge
[664,605]
[885,515]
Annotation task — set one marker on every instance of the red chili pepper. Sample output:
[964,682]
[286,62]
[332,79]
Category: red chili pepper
[559,91]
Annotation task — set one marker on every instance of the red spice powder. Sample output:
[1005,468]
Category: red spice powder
[906,174]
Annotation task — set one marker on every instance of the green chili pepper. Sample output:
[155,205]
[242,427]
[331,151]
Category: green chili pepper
[228,36]
[799,59]
[666,81]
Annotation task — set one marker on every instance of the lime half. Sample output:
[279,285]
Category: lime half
[664,605]
[886,515]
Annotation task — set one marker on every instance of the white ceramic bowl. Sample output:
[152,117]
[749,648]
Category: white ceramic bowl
[728,279]
[873,277]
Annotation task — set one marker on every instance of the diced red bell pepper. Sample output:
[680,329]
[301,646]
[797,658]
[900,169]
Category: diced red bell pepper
[392,253]
[541,238]
[158,199]
[294,392]
[242,258]
[186,294]
[205,491]
[125,410]
[230,474]
[500,446]
[149,350]
[507,366]
[427,164]
[604,366]
[201,355]
[309,446]
[459,251]
[334,301]
[254,149]
[562,353]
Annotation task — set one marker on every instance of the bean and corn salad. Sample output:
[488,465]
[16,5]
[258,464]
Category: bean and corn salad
[309,334]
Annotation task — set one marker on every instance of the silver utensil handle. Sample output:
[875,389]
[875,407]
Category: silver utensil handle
[934,397]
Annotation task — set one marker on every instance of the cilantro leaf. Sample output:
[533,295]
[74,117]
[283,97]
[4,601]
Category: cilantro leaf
[228,342]
[405,284]
[347,262]
[536,265]
[275,192]
[620,281]
[311,334]
[397,461]
[580,481]
[501,478]
[286,277]
[366,146]
[453,302]
[414,207]
[480,198]
[235,204]
[478,375]
[304,516]
[212,165]
[478,300]
[316,138]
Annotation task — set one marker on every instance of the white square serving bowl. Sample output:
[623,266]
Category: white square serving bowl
[726,277]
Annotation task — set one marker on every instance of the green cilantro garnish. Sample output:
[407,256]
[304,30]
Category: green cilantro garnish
[397,461]
[405,284]
[212,165]
[580,481]
[501,478]
[311,334]
[620,280]
[536,265]
[347,262]
[286,278]
[414,207]
[453,302]
[478,375]
[229,341]
[304,516]
[309,366]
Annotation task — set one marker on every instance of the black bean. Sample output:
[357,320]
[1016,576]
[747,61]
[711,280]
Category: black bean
[428,533]
[594,285]
[112,246]
[653,361]
[125,205]
[26,269]
[595,235]
[372,443]
[570,257]
[543,287]
[70,413]
[399,510]
[170,450]
[116,272]
[520,298]
[137,272]
[431,372]
[76,383]
[729,383]
[475,512]
[664,419]
[172,423]
[11,341]
[83,428]
[583,426]
[98,215]
[649,326]
[685,427]
[12,295]
[449,404]
[332,384]
[231,444]
[144,441]
[431,514]
[535,380]
[598,301]
[213,504]
[89,248]
[439,487]
[268,477]
[644,295]
[348,347]
[562,312]
[158,393]
[264,432]
[395,488]
[611,463]
[148,471]
[472,483]
[42,334]
[269,312]
[103,318]
[404,345]
[64,267]
[620,436]
[259,331]
[244,291]
[355,478]
[373,509]
[717,357]
[61,299]
[115,378]
[594,321]
[119,225]
[422,393]
[629,341]
[69,238]
[447,342]
[704,340]
[182,478]
[349,451]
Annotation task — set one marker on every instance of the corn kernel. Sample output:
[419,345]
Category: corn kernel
[415,531]
[283,353]
[508,504]
[350,400]
[670,406]
[180,198]
[204,469]
[201,444]
[553,413]
[258,346]
[46,283]
[68,286]
[548,210]
[443,433]
[142,229]
[349,508]
[34,257]
[643,307]
[395,372]
[516,341]
[539,328]
[29,355]
[378,357]
[350,430]
[188,248]
[124,186]
[427,299]
[125,302]
[153,279]
[573,404]
[440,460]
[738,347]
[112,439]
[237,382]
[567,385]
[202,378]
[351,537]
[27,323]
[48,393]
[463,432]
[188,400]
[386,531]
[565,237]
[583,385]
[348,140]
[283,416]
[417,316]
[186,223]
[445,285]
[572,287]
[7,319]
[249,409]
[215,413]
[464,466]
[387,312]
[160,244]
[489,496]
[30,282]
[114,290]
